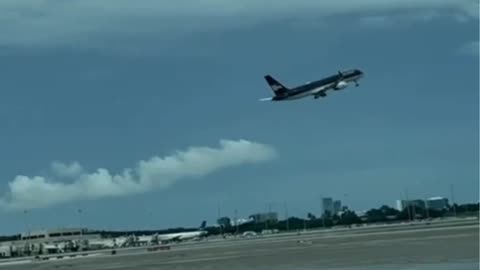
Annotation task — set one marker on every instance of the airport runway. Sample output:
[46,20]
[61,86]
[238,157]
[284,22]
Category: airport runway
[455,247]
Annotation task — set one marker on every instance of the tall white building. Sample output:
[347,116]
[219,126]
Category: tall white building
[337,206]
[399,205]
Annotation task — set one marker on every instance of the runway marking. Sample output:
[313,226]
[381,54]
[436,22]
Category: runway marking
[202,259]
[2,264]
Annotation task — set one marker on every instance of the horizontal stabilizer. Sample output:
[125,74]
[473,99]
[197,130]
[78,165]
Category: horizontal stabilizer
[266,99]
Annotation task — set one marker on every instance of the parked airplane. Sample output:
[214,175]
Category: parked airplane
[316,89]
[169,237]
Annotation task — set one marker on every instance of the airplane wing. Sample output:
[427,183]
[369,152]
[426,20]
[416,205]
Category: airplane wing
[320,92]
[322,89]
[266,99]
[168,239]
[176,238]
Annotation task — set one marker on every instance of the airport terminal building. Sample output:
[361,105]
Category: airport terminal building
[54,235]
[47,242]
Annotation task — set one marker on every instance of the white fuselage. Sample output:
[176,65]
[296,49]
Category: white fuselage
[180,236]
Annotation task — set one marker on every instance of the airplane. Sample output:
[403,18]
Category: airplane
[316,89]
[182,236]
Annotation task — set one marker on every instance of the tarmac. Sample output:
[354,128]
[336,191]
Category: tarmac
[419,247]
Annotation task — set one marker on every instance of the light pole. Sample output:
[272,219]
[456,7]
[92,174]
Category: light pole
[408,205]
[27,223]
[305,224]
[322,211]
[218,218]
[427,209]
[236,221]
[79,211]
[453,201]
[345,197]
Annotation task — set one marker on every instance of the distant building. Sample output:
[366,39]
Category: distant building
[418,203]
[240,221]
[402,204]
[362,214]
[327,204]
[264,217]
[337,207]
[5,251]
[399,205]
[224,222]
[48,241]
[437,203]
[57,234]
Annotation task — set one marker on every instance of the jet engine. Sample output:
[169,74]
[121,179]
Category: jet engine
[340,85]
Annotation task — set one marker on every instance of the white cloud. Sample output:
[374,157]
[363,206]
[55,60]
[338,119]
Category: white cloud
[66,170]
[376,21]
[51,22]
[155,173]
[470,48]
[404,19]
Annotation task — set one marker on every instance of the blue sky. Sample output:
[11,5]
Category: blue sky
[107,84]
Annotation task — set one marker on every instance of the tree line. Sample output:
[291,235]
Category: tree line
[350,218]
[345,218]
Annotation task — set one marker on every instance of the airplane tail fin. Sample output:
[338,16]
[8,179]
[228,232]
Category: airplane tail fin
[203,225]
[278,88]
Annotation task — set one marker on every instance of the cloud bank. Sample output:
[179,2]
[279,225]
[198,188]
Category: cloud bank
[470,48]
[74,22]
[70,182]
